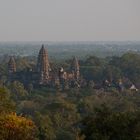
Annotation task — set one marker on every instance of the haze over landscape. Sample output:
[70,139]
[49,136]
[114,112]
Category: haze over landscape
[69,20]
[69,70]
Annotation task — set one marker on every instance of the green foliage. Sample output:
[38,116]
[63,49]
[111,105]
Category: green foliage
[65,135]
[6,104]
[17,90]
[112,73]
[23,63]
[107,125]
[45,127]
[93,61]
[131,66]
[92,73]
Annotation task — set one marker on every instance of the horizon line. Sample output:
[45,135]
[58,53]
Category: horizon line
[70,41]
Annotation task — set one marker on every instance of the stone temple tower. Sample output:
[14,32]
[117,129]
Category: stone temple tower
[11,65]
[75,68]
[43,66]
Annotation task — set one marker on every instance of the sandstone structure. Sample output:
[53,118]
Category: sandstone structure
[42,75]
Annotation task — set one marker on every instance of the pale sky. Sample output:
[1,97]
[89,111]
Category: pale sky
[69,20]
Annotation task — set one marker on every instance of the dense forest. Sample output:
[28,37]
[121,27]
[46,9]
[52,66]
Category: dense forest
[93,112]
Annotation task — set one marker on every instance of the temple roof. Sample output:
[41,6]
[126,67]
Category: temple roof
[12,60]
[12,64]
[75,63]
[43,50]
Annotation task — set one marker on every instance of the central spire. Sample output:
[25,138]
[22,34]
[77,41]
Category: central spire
[11,65]
[75,68]
[43,66]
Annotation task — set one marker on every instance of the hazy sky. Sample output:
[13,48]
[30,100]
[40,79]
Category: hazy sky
[69,20]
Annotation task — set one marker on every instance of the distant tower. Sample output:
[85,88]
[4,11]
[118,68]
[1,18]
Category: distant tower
[43,66]
[11,65]
[75,68]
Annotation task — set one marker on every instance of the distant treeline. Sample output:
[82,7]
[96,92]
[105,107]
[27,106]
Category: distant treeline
[64,50]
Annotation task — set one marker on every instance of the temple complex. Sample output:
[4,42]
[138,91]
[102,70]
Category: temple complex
[42,74]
